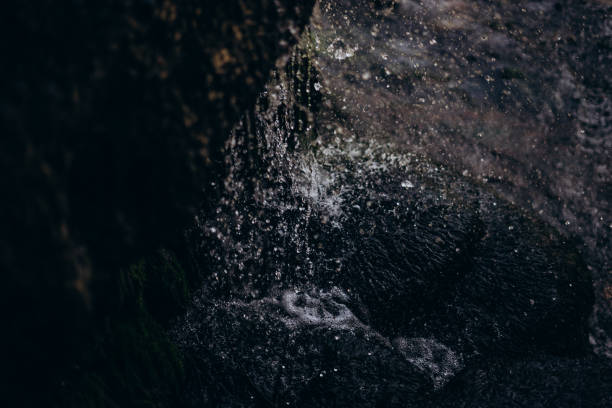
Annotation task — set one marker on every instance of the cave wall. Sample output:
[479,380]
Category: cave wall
[113,118]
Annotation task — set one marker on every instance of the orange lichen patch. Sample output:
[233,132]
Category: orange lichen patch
[608,292]
[222,58]
[214,95]
[245,9]
[167,11]
[189,118]
[237,32]
[201,137]
[163,67]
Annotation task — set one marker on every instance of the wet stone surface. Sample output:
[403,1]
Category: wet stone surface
[512,94]
[382,239]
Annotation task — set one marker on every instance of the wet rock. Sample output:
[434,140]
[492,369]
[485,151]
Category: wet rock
[514,95]
[433,259]
[296,348]
[423,252]
[441,269]
[468,270]
[542,382]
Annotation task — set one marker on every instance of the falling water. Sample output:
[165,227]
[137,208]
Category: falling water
[336,249]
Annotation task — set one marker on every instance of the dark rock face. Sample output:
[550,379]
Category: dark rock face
[512,94]
[348,249]
[355,252]
[304,349]
[472,272]
[548,381]
[499,295]
[416,285]
[113,117]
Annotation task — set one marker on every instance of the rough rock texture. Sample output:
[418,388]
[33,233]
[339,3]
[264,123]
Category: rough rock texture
[297,349]
[327,232]
[512,94]
[113,115]
[546,381]
[377,238]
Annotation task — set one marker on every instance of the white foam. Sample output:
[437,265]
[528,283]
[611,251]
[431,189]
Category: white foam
[323,308]
[430,356]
